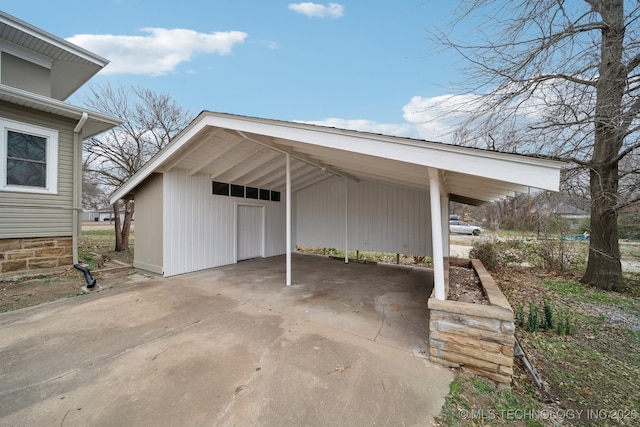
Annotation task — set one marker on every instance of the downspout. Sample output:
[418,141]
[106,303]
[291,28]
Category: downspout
[77,183]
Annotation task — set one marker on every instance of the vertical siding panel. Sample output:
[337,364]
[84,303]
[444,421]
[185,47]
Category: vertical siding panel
[382,217]
[200,227]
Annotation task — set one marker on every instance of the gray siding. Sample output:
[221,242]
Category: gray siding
[381,217]
[25,75]
[148,225]
[200,229]
[40,215]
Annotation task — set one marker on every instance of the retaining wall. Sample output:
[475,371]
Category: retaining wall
[479,338]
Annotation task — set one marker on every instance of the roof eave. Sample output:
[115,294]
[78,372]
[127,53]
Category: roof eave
[96,124]
[292,131]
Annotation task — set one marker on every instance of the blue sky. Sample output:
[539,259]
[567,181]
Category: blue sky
[357,64]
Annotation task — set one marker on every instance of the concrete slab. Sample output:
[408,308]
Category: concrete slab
[345,345]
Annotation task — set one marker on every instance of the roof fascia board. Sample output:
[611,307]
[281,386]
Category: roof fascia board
[539,173]
[169,150]
[497,186]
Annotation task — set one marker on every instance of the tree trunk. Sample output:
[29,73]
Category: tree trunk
[118,228]
[123,227]
[126,225]
[604,269]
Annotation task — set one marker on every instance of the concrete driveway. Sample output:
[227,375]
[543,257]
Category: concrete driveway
[345,345]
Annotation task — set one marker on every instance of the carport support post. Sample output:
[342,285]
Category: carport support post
[288,220]
[436,233]
[346,220]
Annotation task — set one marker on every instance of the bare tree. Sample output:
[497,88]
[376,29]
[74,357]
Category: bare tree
[561,77]
[150,121]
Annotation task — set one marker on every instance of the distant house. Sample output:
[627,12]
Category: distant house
[41,145]
[569,211]
[99,215]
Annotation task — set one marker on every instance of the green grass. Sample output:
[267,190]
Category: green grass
[93,245]
[102,232]
[492,407]
[585,293]
[380,257]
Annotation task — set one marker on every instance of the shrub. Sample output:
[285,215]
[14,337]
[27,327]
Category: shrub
[533,322]
[497,255]
[520,316]
[548,316]
[552,320]
[558,255]
[487,253]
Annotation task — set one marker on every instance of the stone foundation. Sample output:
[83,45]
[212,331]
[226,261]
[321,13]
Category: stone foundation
[20,255]
[479,338]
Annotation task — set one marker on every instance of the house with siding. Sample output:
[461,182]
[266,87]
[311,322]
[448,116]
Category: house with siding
[41,145]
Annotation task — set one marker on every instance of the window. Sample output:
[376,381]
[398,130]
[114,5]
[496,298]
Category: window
[237,190]
[220,188]
[252,193]
[28,158]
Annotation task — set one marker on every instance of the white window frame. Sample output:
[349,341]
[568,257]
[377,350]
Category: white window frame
[51,135]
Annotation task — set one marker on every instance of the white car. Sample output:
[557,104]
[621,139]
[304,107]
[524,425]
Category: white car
[461,227]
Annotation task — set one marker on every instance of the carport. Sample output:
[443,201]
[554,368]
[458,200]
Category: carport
[233,187]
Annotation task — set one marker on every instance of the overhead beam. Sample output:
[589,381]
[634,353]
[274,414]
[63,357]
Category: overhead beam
[253,149]
[250,166]
[310,177]
[280,177]
[215,156]
[268,142]
[260,174]
[191,150]
[311,182]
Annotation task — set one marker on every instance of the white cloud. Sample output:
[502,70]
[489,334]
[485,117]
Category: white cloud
[362,125]
[158,52]
[432,119]
[315,10]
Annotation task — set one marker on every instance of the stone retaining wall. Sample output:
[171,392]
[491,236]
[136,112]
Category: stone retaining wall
[19,255]
[479,338]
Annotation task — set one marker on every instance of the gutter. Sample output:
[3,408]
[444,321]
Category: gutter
[77,184]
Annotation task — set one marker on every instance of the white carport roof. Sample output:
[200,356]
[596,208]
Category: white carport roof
[249,151]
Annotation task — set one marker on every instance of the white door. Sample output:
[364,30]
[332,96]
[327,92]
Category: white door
[250,232]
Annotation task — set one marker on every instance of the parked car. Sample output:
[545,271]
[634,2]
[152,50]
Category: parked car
[462,227]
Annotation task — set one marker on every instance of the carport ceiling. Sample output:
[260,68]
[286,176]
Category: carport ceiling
[249,151]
